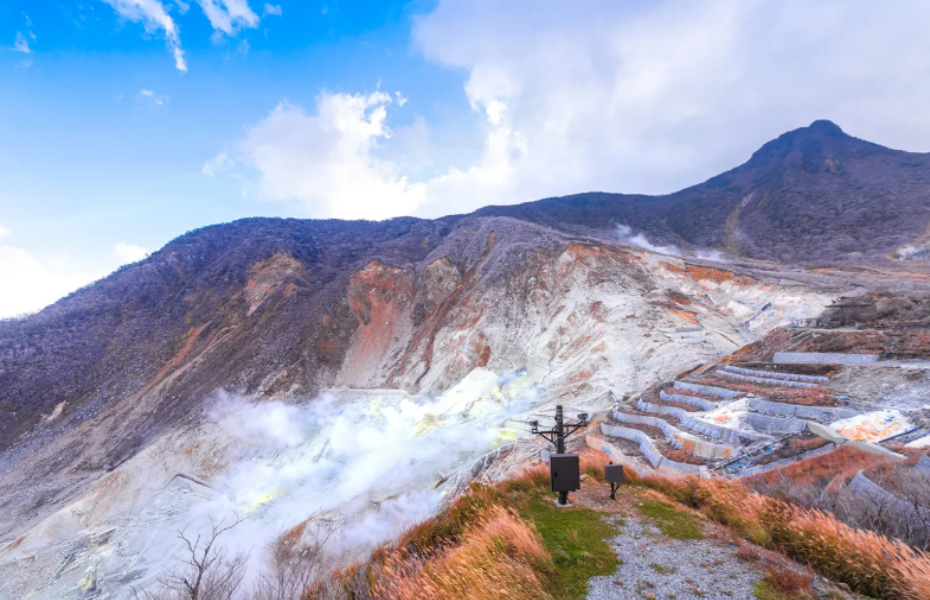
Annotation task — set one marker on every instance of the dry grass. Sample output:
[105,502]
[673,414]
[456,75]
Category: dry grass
[800,446]
[844,461]
[869,563]
[816,396]
[682,456]
[481,547]
[747,553]
[498,556]
[496,541]
[788,581]
[591,463]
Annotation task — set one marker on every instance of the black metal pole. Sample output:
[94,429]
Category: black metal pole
[560,444]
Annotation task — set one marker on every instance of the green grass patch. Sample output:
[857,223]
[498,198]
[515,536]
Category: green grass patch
[659,569]
[577,538]
[673,523]
[764,590]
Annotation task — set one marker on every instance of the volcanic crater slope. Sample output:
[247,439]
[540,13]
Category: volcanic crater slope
[105,432]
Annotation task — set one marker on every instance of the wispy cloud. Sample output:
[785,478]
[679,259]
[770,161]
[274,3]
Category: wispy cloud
[150,95]
[153,16]
[218,164]
[229,16]
[22,44]
[272,9]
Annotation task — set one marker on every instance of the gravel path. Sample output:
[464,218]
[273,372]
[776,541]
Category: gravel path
[657,567]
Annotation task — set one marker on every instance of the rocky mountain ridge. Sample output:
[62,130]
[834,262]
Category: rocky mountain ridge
[814,195]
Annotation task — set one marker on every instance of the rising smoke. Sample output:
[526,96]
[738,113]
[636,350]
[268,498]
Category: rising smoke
[363,468]
[638,240]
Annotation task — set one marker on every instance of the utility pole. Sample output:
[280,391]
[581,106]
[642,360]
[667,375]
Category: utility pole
[556,436]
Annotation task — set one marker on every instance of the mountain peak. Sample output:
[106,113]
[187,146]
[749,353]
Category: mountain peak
[824,127]
[820,139]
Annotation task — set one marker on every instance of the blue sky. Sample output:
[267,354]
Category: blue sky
[128,122]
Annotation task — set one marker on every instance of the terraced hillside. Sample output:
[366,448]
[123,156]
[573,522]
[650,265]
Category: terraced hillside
[843,432]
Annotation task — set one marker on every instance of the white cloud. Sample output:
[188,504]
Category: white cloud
[326,159]
[4,231]
[229,16]
[272,9]
[150,95]
[130,253]
[21,44]
[152,14]
[28,283]
[218,164]
[613,96]
[651,97]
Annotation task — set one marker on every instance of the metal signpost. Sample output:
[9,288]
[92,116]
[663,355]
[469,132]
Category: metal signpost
[614,476]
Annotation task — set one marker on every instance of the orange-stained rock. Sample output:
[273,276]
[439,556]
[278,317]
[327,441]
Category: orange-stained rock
[269,276]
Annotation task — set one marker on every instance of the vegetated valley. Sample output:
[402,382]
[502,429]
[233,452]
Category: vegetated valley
[283,408]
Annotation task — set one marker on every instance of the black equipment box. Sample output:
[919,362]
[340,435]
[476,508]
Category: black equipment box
[614,473]
[564,473]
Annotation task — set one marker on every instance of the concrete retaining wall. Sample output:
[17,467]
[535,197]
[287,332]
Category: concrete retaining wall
[717,432]
[774,375]
[795,411]
[668,430]
[649,450]
[616,455]
[765,380]
[689,400]
[679,438]
[785,461]
[774,425]
[706,389]
[823,357]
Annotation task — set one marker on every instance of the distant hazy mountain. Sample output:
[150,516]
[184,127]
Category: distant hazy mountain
[814,195]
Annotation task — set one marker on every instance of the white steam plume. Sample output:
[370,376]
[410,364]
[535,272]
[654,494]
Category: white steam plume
[712,255]
[638,240]
[365,468]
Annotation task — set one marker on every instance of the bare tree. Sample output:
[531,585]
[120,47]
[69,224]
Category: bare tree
[295,566]
[207,571]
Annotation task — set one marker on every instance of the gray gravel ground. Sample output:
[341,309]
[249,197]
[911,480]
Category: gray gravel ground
[655,566]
